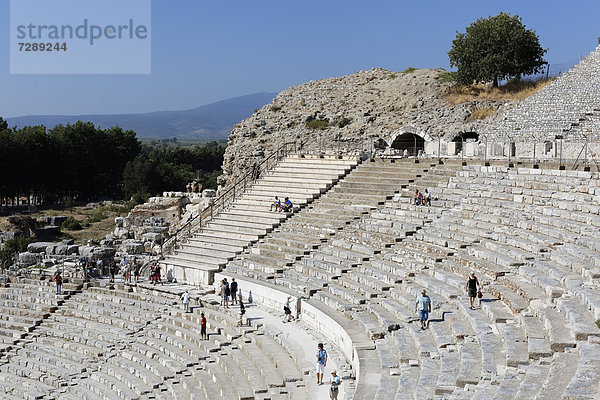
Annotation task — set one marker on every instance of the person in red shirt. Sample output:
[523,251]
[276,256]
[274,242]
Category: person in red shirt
[58,279]
[203,326]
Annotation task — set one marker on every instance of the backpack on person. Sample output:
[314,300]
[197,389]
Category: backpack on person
[227,291]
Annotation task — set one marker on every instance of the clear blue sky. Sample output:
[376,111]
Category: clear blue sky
[204,51]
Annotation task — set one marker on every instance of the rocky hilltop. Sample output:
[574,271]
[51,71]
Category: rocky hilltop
[372,104]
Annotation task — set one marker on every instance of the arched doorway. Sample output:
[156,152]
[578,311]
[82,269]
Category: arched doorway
[410,142]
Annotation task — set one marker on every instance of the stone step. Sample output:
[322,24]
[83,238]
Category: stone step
[227,242]
[270,373]
[586,381]
[213,249]
[579,317]
[560,374]
[237,211]
[242,228]
[192,254]
[224,234]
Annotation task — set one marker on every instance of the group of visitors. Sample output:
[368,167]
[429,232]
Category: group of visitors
[230,290]
[278,206]
[227,291]
[130,270]
[422,199]
[423,302]
[155,274]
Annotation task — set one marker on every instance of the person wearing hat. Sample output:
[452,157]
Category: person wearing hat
[335,382]
[471,287]
[423,307]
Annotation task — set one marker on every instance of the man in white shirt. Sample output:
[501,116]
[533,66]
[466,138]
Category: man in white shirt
[185,297]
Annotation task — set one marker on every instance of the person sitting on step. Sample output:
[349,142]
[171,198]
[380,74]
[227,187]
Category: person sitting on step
[288,206]
[427,198]
[276,204]
[418,198]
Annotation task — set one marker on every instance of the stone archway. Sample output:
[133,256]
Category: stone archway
[407,139]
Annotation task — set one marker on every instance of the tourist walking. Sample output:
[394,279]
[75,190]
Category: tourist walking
[58,280]
[111,270]
[321,363]
[242,312]
[136,271]
[423,307]
[287,311]
[153,273]
[124,267]
[233,288]
[203,334]
[471,287]
[185,298]
[335,382]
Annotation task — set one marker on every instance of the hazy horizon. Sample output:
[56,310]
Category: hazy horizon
[206,52]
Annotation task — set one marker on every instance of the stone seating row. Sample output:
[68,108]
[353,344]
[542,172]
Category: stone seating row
[26,303]
[536,348]
[133,362]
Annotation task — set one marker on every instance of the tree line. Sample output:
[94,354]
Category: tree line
[81,162]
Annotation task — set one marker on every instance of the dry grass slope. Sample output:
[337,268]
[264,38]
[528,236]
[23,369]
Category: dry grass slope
[517,90]
[482,113]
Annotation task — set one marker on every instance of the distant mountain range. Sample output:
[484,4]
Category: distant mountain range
[211,121]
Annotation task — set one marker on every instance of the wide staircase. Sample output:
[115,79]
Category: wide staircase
[248,218]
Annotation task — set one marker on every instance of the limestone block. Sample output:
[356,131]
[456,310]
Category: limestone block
[72,249]
[38,247]
[133,247]
[121,233]
[152,237]
[28,258]
[209,193]
[86,251]
[61,250]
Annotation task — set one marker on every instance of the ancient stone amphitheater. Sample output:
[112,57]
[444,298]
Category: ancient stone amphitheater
[352,256]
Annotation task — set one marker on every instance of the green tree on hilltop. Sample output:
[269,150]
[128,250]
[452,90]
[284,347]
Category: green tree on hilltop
[494,49]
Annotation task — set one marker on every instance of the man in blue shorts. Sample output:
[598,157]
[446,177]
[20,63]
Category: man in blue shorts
[423,307]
